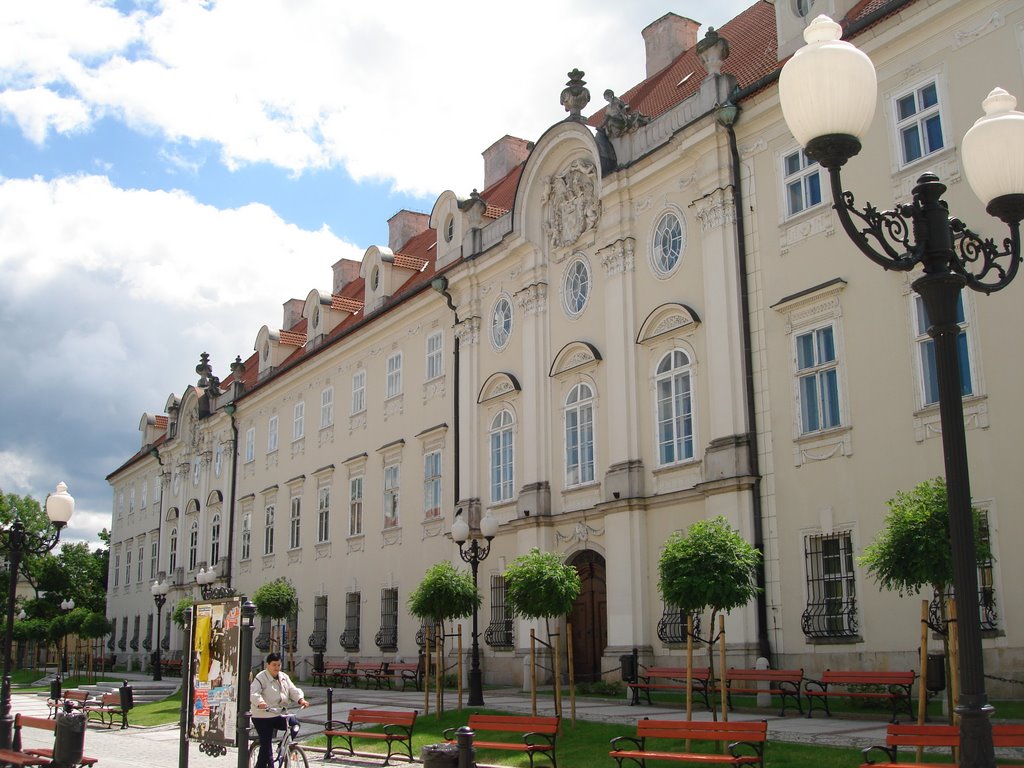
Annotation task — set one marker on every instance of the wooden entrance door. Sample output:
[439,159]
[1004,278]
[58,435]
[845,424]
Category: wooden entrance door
[589,617]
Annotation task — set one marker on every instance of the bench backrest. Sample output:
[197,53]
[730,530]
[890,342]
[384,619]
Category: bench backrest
[337,664]
[111,699]
[403,667]
[382,716]
[697,673]
[516,723]
[922,735]
[76,695]
[793,675]
[1008,735]
[362,666]
[867,678]
[756,730]
[27,721]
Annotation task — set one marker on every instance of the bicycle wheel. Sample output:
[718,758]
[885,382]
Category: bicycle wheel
[296,757]
[254,750]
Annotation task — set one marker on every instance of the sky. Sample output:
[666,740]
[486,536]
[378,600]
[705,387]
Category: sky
[172,171]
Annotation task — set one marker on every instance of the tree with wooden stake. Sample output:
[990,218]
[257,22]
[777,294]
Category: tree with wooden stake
[709,567]
[277,600]
[913,551]
[538,585]
[445,593]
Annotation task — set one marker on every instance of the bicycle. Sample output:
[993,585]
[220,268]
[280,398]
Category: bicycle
[286,753]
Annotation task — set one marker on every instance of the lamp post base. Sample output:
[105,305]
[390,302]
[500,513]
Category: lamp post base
[476,688]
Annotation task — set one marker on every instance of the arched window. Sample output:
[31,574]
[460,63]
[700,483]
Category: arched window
[579,435]
[193,545]
[502,457]
[674,387]
[215,540]
[173,560]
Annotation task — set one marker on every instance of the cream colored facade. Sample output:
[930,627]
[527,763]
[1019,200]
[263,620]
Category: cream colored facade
[568,312]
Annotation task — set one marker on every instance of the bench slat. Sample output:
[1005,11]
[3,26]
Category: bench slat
[398,727]
[752,735]
[899,683]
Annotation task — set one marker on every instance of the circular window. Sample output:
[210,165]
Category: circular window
[669,242]
[501,322]
[375,278]
[266,351]
[316,316]
[577,286]
[449,228]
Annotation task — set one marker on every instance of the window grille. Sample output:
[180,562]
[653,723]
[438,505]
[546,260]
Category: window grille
[113,635]
[421,634]
[672,625]
[291,633]
[165,642]
[123,642]
[499,632]
[262,640]
[387,637]
[137,626]
[350,637]
[147,643]
[831,591]
[318,640]
[989,618]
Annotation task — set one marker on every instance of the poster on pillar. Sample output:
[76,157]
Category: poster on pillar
[215,645]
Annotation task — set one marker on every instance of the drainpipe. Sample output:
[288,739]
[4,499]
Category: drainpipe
[440,284]
[159,510]
[229,409]
[726,115]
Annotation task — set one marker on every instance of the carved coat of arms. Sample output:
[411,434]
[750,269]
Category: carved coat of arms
[571,206]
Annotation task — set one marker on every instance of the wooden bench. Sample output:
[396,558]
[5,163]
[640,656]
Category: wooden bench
[170,667]
[397,729]
[403,672]
[73,699]
[107,707]
[897,736]
[45,724]
[784,683]
[537,734]
[367,671]
[332,673]
[675,680]
[746,742]
[897,687]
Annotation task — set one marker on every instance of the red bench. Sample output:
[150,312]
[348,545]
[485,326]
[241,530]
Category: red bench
[45,724]
[746,742]
[674,680]
[397,729]
[537,734]
[784,683]
[897,687]
[897,736]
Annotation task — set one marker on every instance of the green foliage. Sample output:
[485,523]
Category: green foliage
[711,566]
[57,628]
[276,599]
[178,613]
[32,629]
[95,625]
[445,593]
[539,586]
[913,550]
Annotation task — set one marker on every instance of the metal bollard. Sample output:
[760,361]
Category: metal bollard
[467,752]
[68,739]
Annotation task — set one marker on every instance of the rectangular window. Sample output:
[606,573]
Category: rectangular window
[117,569]
[818,378]
[802,182]
[387,637]
[250,444]
[831,590]
[502,458]
[173,558]
[298,420]
[142,494]
[359,392]
[127,567]
[435,355]
[926,352]
[131,500]
[350,637]
[246,550]
[394,377]
[919,122]
[139,563]
[432,485]
[391,495]
[327,407]
[295,524]
[323,516]
[355,506]
[154,556]
[272,434]
[268,530]
[318,640]
[499,630]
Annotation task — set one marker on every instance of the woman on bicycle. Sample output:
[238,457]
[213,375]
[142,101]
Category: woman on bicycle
[272,688]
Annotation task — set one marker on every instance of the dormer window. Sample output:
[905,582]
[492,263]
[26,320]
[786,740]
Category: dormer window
[449,228]
[375,278]
[316,316]
[266,351]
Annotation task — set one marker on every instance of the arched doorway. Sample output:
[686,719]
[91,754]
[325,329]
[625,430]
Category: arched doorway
[589,616]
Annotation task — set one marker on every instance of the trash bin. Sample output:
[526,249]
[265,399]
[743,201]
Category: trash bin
[127,696]
[936,671]
[440,756]
[628,664]
[69,738]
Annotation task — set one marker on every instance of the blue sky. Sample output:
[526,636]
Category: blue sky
[172,171]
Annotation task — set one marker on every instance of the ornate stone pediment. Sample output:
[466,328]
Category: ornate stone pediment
[571,204]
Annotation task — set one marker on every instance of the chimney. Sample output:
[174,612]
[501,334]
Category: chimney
[667,39]
[345,272]
[292,313]
[404,226]
[502,156]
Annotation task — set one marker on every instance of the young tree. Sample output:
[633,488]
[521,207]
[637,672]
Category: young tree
[32,516]
[277,600]
[539,586]
[710,566]
[445,593]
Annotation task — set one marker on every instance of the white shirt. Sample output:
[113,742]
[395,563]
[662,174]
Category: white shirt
[274,692]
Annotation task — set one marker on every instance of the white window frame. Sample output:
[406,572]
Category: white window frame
[299,420]
[916,120]
[128,565]
[172,550]
[245,550]
[154,557]
[323,515]
[142,494]
[295,523]
[807,169]
[355,506]
[682,435]
[819,370]
[392,495]
[924,348]
[268,529]
[577,287]
[117,569]
[326,407]
[131,500]
[578,420]
[501,451]
[663,241]
[250,444]
[214,540]
[502,322]
[272,428]
[359,391]
[393,381]
[432,471]
[434,351]
[139,564]
[193,545]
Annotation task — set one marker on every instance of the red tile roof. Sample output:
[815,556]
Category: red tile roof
[502,194]
[160,421]
[292,337]
[346,304]
[415,263]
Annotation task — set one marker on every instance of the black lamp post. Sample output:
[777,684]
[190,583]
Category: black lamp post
[14,543]
[828,92]
[474,554]
[159,591]
[67,606]
[247,625]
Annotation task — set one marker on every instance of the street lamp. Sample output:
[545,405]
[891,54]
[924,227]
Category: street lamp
[67,606]
[205,578]
[159,592]
[474,554]
[15,542]
[828,92]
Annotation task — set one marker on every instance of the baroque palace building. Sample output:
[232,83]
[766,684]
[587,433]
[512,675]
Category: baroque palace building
[646,318]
